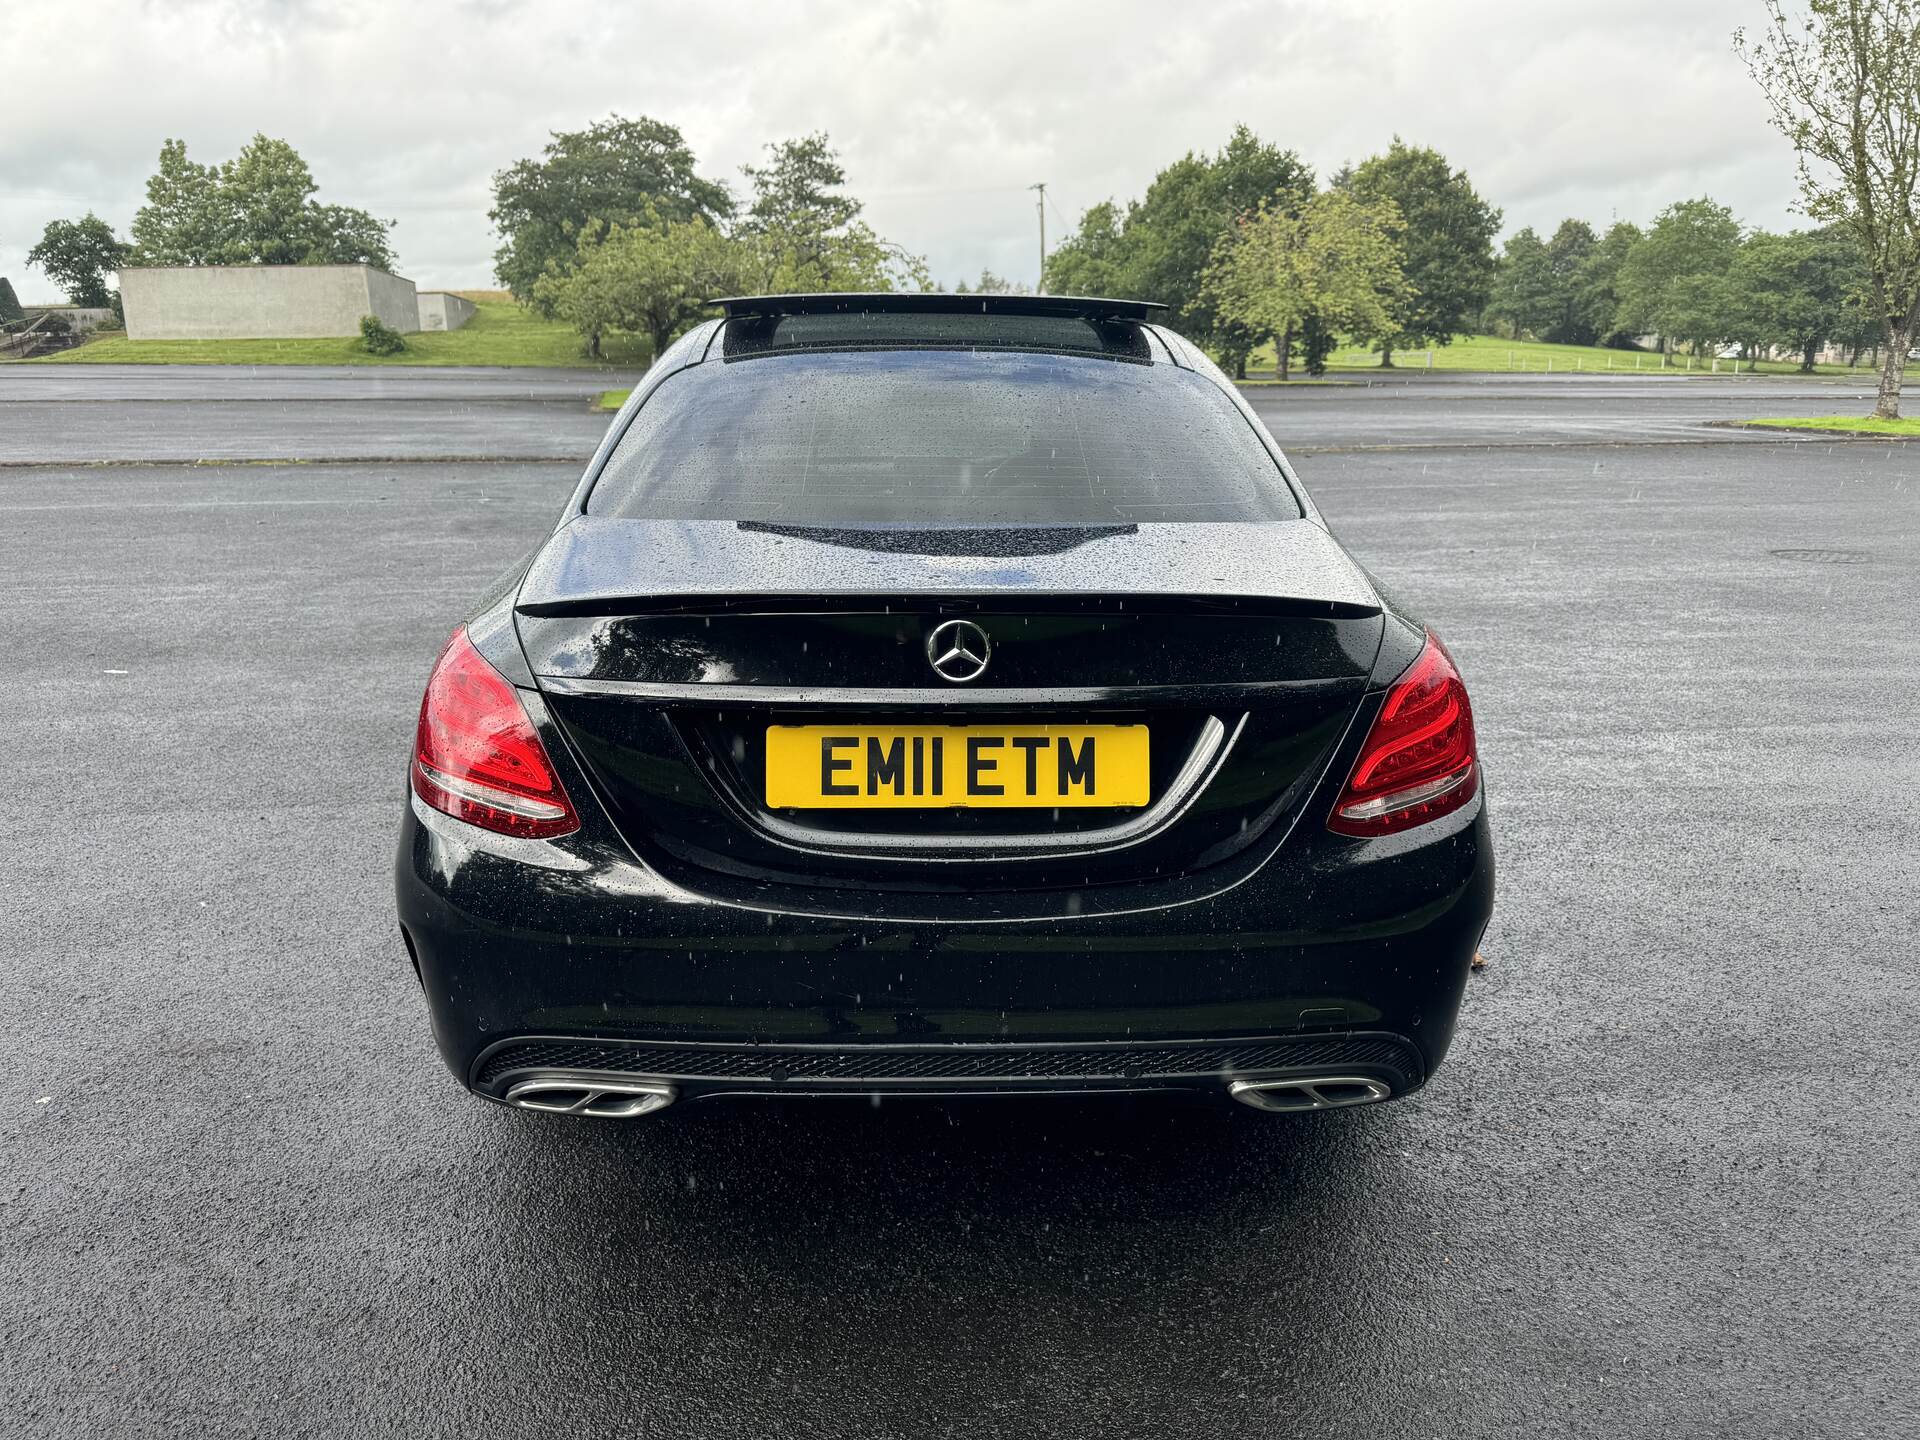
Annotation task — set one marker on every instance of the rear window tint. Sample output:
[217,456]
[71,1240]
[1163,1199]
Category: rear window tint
[940,438]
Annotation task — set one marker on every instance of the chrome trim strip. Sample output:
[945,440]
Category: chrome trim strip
[1209,750]
[839,697]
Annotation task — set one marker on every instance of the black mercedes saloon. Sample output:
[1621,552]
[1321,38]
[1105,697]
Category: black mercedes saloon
[941,695]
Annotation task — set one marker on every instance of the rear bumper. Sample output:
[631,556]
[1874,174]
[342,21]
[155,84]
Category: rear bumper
[1349,953]
[698,1071]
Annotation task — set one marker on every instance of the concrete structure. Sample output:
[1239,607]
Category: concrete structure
[80,318]
[444,310]
[257,302]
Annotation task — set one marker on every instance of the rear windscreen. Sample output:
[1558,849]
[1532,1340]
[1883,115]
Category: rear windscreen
[940,438]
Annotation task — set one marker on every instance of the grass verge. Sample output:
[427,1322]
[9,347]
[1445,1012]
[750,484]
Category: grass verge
[611,399]
[500,333]
[1843,425]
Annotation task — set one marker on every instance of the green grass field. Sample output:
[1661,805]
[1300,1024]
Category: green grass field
[501,333]
[1491,353]
[1845,425]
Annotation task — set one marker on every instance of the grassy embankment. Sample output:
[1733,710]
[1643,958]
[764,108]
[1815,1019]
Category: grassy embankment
[1845,425]
[1491,353]
[501,333]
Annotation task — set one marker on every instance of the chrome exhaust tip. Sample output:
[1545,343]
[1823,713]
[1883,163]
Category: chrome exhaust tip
[1322,1092]
[603,1099]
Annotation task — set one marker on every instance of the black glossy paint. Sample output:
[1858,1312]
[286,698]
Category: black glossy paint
[652,655]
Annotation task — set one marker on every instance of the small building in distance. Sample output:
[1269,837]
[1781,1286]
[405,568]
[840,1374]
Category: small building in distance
[444,310]
[262,302]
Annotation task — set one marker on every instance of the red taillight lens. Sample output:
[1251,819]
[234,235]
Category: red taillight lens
[1418,762]
[476,755]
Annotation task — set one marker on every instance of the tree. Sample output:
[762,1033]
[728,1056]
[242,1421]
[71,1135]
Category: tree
[1331,265]
[1792,290]
[617,172]
[78,255]
[180,224]
[1172,232]
[1844,86]
[1671,282]
[1092,260]
[10,311]
[1525,294]
[264,192]
[803,234]
[255,209]
[1159,248]
[1596,302]
[1449,244]
[797,201]
[653,279]
[1572,245]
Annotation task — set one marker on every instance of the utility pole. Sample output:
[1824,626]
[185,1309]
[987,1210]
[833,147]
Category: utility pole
[1040,288]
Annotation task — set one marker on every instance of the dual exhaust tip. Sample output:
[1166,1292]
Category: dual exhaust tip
[630,1099]
[603,1099]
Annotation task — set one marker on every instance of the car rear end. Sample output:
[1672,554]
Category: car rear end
[916,702]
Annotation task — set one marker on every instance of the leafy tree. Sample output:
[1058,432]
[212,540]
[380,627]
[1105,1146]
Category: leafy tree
[1671,282]
[181,223]
[1596,301]
[255,209]
[1792,290]
[654,279]
[78,255]
[1331,265]
[1092,260]
[797,200]
[617,172]
[1573,243]
[1524,291]
[10,311]
[1171,233]
[264,191]
[1159,248]
[1449,244]
[804,234]
[1844,86]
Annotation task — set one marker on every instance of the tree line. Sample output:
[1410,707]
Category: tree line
[614,229]
[1697,278]
[610,228]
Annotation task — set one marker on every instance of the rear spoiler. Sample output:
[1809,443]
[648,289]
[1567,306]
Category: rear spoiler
[908,302]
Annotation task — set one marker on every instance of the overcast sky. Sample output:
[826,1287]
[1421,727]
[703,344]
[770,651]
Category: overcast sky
[943,111]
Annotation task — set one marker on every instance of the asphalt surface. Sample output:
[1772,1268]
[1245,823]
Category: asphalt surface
[1665,1184]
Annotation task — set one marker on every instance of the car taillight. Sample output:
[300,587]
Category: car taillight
[476,755]
[1418,761]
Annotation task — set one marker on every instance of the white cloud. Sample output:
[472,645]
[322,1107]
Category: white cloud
[944,113]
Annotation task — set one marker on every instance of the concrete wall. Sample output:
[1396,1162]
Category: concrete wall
[253,302]
[443,310]
[80,318]
[392,299]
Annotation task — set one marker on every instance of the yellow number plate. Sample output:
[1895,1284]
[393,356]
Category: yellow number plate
[871,767]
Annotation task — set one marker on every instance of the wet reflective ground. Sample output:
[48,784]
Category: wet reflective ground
[1664,1185]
